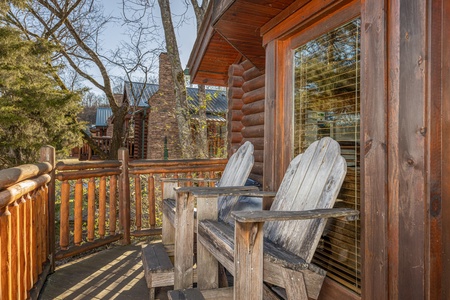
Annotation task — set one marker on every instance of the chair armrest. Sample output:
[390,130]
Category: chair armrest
[267,215]
[187,180]
[219,191]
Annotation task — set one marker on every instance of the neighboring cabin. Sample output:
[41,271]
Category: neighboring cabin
[299,70]
[151,124]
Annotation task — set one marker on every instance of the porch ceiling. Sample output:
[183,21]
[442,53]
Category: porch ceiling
[232,30]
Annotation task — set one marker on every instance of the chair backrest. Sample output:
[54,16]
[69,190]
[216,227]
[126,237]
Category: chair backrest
[312,181]
[236,173]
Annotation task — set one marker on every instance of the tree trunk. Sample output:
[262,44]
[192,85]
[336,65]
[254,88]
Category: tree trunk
[202,129]
[181,106]
[118,139]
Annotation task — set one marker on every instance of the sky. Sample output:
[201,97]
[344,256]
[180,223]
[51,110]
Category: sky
[114,33]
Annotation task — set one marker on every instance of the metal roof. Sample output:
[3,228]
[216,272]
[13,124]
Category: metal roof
[101,118]
[216,100]
[139,93]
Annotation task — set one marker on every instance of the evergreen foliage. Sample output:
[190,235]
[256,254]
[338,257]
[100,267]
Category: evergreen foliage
[34,109]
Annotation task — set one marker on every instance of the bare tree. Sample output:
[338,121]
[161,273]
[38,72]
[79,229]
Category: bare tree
[76,27]
[183,111]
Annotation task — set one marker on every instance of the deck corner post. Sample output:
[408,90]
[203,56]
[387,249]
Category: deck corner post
[124,196]
[47,154]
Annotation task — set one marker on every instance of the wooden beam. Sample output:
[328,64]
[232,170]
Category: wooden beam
[374,163]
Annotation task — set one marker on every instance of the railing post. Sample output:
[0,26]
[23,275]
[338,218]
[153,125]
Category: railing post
[124,196]
[47,154]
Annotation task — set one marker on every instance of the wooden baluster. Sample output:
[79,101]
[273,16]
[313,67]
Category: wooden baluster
[102,207]
[34,236]
[14,268]
[112,204]
[201,175]
[64,216]
[151,201]
[91,210]
[23,252]
[138,201]
[5,272]
[78,214]
[29,234]
[189,176]
[34,260]
[211,177]
[44,220]
[38,204]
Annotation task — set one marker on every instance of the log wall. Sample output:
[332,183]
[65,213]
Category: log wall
[246,97]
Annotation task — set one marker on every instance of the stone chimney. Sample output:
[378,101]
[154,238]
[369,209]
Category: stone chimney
[163,138]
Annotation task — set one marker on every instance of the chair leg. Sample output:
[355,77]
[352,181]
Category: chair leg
[152,293]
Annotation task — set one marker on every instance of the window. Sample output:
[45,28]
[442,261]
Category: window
[326,103]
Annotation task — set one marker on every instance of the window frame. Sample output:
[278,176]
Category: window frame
[307,25]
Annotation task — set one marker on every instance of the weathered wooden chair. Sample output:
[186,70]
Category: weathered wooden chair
[178,224]
[291,233]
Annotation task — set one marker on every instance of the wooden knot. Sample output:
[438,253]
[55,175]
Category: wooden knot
[410,161]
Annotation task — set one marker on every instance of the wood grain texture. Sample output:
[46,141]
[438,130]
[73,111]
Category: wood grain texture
[184,249]
[435,275]
[207,265]
[91,210]
[78,213]
[14,175]
[112,204]
[411,159]
[312,181]
[102,207]
[235,174]
[295,285]
[264,215]
[374,167]
[248,260]
[64,216]
[445,117]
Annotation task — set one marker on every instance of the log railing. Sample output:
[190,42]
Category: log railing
[87,206]
[25,218]
[50,212]
[107,201]
[147,185]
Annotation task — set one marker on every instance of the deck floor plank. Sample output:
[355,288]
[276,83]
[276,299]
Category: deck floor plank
[114,273]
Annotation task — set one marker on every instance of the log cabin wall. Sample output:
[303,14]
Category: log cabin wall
[246,97]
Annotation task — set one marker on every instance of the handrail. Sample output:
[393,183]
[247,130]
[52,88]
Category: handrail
[13,175]
[25,227]
[20,189]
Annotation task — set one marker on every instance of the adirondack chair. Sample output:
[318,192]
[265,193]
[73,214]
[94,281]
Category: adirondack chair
[289,237]
[178,208]
[236,173]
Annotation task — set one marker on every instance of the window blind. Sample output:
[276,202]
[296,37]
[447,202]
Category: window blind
[326,103]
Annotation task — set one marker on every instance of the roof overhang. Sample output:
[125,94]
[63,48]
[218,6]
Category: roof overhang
[232,30]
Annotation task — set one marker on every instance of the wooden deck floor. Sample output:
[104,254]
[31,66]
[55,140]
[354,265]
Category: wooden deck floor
[115,273]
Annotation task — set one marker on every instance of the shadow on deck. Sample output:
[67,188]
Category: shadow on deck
[114,273]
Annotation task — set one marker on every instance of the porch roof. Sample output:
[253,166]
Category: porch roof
[232,30]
